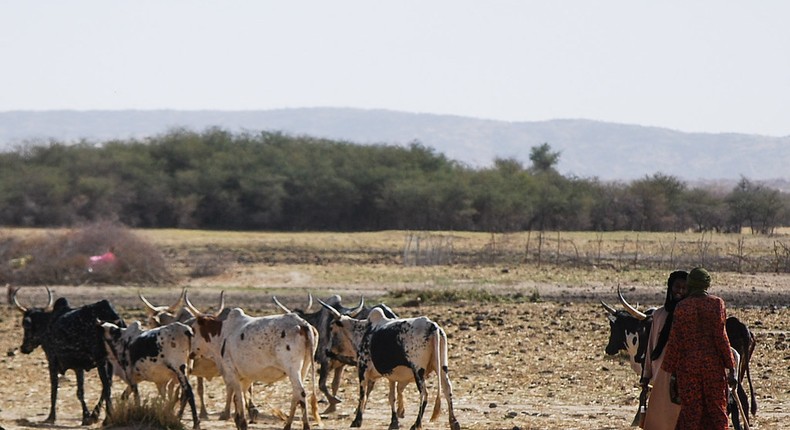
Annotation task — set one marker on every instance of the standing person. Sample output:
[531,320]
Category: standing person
[698,354]
[662,414]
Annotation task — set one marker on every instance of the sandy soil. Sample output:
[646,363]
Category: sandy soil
[513,366]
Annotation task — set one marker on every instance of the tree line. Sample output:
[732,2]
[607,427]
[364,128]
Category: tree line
[216,179]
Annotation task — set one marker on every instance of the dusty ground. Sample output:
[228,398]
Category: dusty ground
[513,365]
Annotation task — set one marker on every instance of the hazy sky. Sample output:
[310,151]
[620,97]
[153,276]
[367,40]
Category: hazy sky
[712,66]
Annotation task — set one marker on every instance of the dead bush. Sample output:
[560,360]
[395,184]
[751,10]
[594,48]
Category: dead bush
[64,257]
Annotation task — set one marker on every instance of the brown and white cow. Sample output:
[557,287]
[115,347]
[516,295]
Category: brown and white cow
[400,350]
[266,349]
[157,355]
[202,368]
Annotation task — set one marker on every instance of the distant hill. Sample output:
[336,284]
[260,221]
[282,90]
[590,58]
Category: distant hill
[588,148]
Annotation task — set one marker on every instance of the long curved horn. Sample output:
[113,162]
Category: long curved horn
[51,300]
[354,312]
[631,310]
[191,307]
[151,308]
[309,303]
[334,311]
[221,303]
[174,308]
[16,302]
[280,305]
[608,308]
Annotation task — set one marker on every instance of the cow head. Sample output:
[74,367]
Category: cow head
[34,322]
[345,334]
[205,327]
[163,315]
[629,330]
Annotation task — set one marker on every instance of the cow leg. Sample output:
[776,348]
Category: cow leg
[86,416]
[448,395]
[364,384]
[401,408]
[237,392]
[252,410]
[53,392]
[419,378]
[394,424]
[187,395]
[298,397]
[105,376]
[203,415]
[225,414]
[323,373]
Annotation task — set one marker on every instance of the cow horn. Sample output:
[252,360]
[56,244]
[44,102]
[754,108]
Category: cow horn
[354,312]
[151,308]
[191,307]
[51,300]
[174,308]
[608,308]
[631,310]
[309,303]
[334,311]
[16,302]
[221,302]
[280,305]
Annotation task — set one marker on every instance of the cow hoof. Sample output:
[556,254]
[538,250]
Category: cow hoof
[394,426]
[254,413]
[455,426]
[330,409]
[223,416]
[356,423]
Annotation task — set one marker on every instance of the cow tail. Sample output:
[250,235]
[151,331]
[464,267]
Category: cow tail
[310,340]
[438,336]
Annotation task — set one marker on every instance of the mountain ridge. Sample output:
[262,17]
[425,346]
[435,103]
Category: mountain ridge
[589,148]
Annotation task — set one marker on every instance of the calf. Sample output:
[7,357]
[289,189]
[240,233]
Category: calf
[401,350]
[157,355]
[70,341]
[266,349]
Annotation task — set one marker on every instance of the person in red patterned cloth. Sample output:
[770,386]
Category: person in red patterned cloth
[698,355]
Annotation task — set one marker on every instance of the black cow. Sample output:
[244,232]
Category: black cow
[70,341]
[630,330]
[334,357]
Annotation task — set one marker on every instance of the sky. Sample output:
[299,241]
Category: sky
[696,66]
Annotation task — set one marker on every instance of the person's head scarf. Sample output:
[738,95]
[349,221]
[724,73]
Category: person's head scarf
[698,282]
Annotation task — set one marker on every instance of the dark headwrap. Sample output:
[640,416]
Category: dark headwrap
[669,305]
[698,281]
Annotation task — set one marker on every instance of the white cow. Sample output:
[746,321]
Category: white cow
[265,349]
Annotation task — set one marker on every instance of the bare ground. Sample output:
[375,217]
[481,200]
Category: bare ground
[521,365]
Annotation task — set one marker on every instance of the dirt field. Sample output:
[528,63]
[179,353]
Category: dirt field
[513,365]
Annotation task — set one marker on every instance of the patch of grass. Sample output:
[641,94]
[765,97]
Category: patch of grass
[155,413]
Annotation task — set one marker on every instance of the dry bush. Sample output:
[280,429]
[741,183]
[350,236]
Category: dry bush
[150,414]
[62,257]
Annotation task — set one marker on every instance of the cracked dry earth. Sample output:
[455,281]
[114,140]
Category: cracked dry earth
[513,366]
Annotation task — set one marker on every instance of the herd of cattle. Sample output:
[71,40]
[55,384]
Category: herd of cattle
[182,341]
[630,330]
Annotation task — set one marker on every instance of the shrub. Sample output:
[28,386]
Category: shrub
[63,256]
[155,413]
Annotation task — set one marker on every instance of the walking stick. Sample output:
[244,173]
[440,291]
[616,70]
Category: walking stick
[744,418]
